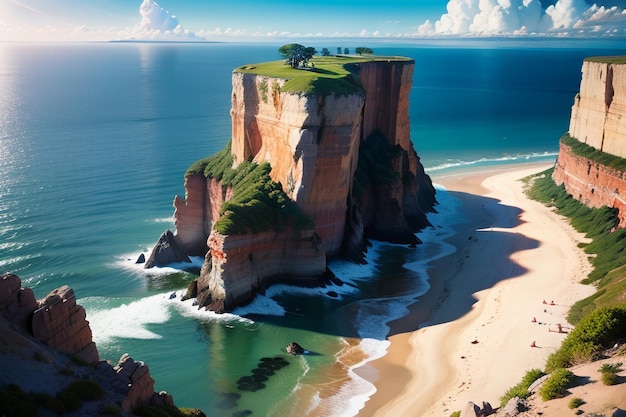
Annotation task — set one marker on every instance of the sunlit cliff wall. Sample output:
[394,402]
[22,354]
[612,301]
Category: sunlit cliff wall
[598,119]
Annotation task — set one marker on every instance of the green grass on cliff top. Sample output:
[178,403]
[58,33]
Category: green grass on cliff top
[607,59]
[330,75]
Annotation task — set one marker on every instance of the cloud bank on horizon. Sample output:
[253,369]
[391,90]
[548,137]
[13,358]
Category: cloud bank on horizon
[37,20]
[523,17]
[158,24]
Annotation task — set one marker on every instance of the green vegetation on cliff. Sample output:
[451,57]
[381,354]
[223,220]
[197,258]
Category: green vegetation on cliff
[258,204]
[582,149]
[325,75]
[607,250]
[601,318]
[607,59]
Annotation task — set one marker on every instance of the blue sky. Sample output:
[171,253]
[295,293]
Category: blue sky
[289,19]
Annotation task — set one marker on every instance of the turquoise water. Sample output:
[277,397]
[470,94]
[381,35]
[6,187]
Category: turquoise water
[94,142]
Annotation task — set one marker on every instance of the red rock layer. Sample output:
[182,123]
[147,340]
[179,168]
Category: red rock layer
[238,267]
[590,183]
[196,213]
[136,376]
[62,324]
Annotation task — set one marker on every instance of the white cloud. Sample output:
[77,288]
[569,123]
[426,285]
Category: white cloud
[521,17]
[157,24]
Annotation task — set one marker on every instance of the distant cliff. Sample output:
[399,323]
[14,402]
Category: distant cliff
[309,173]
[591,161]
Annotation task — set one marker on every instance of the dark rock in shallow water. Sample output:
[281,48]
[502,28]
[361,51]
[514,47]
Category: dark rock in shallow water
[141,259]
[167,251]
[295,349]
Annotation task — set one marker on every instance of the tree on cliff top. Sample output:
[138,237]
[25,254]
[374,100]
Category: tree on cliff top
[296,54]
[364,50]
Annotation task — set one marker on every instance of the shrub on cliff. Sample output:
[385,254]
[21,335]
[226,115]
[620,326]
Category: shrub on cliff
[87,389]
[596,331]
[15,402]
[609,372]
[556,385]
[257,204]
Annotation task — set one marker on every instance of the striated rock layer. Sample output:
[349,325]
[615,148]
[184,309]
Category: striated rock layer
[316,146]
[598,120]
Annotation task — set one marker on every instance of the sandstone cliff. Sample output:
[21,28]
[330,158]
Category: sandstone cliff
[345,159]
[40,338]
[593,175]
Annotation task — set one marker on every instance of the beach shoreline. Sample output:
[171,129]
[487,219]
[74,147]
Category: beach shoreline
[469,337]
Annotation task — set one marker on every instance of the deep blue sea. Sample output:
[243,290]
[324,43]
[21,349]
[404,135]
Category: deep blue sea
[94,142]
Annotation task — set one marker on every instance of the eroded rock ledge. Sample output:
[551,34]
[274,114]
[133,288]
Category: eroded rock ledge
[335,169]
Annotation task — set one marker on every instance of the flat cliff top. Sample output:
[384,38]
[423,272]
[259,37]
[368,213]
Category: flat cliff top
[607,59]
[324,75]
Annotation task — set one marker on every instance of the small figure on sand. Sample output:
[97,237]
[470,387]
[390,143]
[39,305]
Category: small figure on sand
[533,344]
[534,320]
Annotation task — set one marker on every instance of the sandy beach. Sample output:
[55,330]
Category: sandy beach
[469,338]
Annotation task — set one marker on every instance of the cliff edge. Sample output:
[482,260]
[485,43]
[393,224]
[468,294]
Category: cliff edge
[320,158]
[591,156]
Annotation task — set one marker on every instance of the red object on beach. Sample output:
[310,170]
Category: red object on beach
[551,303]
[544,301]
[534,320]
[533,344]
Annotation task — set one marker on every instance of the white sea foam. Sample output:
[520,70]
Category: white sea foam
[129,262]
[111,318]
[491,161]
[188,309]
[163,220]
[127,320]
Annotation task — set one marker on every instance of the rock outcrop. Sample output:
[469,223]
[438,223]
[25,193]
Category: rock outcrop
[39,339]
[346,160]
[598,120]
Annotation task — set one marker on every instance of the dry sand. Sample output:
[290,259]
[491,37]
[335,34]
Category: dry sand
[469,338]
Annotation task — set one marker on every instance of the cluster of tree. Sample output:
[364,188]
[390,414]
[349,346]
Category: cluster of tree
[298,55]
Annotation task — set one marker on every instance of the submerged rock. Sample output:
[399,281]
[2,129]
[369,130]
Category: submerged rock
[295,349]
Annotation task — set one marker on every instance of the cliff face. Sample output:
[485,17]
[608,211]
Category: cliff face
[598,119]
[313,144]
[598,111]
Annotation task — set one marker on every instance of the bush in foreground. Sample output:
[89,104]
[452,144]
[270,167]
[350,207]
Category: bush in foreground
[557,384]
[575,403]
[609,372]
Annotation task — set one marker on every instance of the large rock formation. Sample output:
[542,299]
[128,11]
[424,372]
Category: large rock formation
[39,339]
[346,160]
[598,120]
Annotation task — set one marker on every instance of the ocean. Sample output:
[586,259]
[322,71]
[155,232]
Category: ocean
[94,142]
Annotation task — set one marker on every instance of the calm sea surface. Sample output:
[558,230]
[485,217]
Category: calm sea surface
[94,142]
